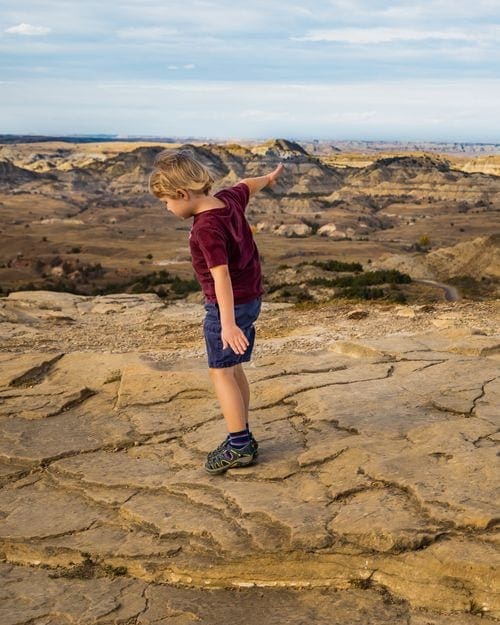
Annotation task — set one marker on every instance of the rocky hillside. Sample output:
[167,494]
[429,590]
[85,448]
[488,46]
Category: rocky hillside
[486,164]
[12,176]
[372,501]
[310,184]
[422,178]
[478,259]
[78,207]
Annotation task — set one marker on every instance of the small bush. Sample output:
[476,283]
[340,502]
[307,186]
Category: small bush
[363,292]
[314,225]
[183,287]
[333,265]
[336,265]
[368,278]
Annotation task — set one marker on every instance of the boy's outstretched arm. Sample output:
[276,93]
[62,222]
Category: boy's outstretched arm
[269,180]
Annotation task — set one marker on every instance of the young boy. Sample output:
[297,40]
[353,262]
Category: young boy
[226,263]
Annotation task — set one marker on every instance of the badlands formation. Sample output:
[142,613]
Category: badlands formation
[373,500]
[79,218]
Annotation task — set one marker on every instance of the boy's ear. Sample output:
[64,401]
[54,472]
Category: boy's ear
[182,194]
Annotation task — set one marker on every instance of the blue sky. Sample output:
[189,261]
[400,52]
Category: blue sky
[337,69]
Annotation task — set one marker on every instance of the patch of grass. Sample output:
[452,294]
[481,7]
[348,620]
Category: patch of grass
[361,285]
[290,293]
[381,276]
[150,283]
[307,305]
[154,282]
[476,608]
[362,292]
[83,570]
[88,569]
[114,571]
[183,287]
[335,265]
[361,582]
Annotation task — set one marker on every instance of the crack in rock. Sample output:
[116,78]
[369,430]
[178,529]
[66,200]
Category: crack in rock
[481,394]
[283,400]
[35,375]
[303,372]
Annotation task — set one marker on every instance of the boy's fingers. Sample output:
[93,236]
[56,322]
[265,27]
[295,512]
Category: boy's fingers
[238,343]
[241,344]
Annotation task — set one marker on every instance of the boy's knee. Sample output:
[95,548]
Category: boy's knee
[218,372]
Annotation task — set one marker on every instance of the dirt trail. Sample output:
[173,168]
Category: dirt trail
[451,294]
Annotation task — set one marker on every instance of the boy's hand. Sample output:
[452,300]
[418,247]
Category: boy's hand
[234,337]
[273,176]
[259,182]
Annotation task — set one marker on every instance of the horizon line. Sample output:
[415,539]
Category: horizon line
[177,138]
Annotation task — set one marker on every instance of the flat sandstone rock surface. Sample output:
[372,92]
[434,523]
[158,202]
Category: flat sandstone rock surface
[374,498]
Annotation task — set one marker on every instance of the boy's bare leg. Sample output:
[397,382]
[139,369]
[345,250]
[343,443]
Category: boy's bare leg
[241,378]
[230,397]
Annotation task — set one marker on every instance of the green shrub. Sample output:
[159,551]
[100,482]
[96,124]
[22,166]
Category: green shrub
[381,276]
[314,225]
[182,287]
[337,265]
[363,292]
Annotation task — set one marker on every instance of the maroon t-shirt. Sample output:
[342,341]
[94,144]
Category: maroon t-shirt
[222,236]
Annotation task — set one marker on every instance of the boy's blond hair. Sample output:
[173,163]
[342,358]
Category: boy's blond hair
[178,170]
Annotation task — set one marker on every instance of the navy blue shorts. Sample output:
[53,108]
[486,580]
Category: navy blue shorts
[245,315]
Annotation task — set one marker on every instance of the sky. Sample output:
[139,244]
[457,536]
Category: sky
[421,70]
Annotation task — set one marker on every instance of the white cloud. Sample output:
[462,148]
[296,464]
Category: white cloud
[402,12]
[28,29]
[152,32]
[452,9]
[182,87]
[197,17]
[445,11]
[177,67]
[385,35]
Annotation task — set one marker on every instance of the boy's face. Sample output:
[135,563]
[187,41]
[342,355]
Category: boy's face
[180,206]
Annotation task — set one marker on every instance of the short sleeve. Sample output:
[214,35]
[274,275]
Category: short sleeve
[240,194]
[213,246]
